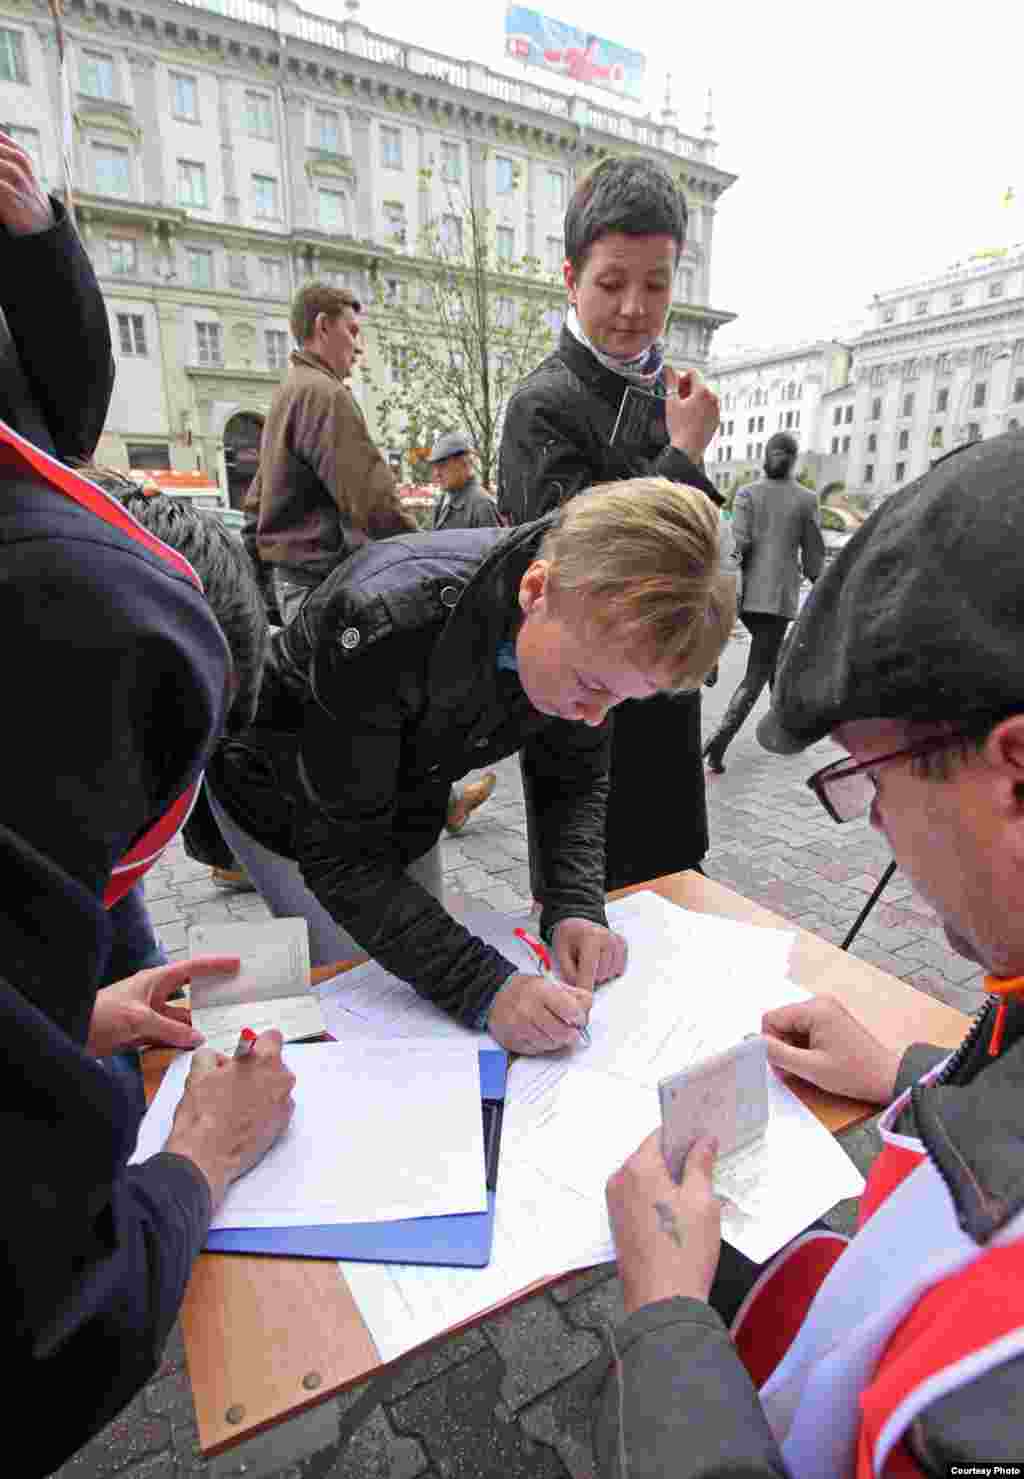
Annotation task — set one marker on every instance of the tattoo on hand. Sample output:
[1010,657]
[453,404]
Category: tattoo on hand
[667,1222]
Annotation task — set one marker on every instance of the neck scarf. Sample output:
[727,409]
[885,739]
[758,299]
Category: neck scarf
[641,369]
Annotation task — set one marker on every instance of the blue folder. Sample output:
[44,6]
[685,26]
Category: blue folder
[461,1240]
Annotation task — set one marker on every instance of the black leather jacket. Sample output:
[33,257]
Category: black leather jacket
[383,691]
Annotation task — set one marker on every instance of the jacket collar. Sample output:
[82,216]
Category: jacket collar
[313,362]
[596,377]
[973,1126]
[487,614]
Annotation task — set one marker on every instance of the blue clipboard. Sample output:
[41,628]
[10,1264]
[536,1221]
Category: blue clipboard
[463,1240]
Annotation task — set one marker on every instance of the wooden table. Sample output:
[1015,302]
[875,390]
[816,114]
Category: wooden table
[267,1337]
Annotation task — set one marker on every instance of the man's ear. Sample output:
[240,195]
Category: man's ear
[533,586]
[1004,751]
[569,278]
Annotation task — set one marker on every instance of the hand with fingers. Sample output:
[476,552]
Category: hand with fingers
[134,1013]
[667,1236]
[691,412]
[535,1014]
[587,954]
[24,207]
[820,1041]
[232,1111]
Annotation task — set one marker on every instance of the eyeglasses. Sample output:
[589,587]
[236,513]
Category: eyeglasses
[846,790]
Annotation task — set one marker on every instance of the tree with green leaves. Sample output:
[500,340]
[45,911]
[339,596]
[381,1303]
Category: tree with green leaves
[458,325]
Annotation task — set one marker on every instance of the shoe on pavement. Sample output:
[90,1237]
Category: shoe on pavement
[473,794]
[234,878]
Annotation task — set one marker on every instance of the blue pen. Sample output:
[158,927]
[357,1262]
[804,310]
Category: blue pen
[540,952]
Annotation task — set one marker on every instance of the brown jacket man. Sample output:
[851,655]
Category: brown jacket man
[322,487]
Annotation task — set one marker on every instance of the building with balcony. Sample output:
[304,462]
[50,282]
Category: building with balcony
[225,152]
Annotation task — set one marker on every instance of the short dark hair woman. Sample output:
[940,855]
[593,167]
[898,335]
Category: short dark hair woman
[776,533]
[605,406]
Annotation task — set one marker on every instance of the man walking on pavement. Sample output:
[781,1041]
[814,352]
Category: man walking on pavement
[463,504]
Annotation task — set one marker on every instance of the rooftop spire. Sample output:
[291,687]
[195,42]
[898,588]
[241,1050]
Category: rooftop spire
[709,122]
[668,113]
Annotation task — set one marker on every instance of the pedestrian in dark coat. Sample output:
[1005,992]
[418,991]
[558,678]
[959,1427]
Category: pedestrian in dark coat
[605,406]
[776,533]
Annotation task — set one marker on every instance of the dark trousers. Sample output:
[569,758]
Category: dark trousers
[766,637]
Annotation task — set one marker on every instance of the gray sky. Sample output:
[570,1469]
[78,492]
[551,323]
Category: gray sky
[873,141]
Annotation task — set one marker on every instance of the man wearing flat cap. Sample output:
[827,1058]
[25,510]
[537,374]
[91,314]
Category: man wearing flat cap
[463,504]
[900,1352]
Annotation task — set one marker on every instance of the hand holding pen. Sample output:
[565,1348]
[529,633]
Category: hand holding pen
[535,1013]
[542,955]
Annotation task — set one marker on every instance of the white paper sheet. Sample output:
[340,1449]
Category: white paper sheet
[369,1002]
[381,1131]
[271,989]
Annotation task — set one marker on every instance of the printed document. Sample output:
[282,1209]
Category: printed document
[381,1131]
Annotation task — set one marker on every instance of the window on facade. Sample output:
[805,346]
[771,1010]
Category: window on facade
[943,364]
[837,415]
[391,148]
[876,408]
[996,289]
[956,300]
[750,451]
[272,277]
[191,183]
[887,318]
[149,455]
[760,448]
[849,415]
[264,197]
[869,473]
[910,369]
[123,256]
[937,437]
[328,136]
[331,210]
[973,431]
[835,445]
[397,363]
[451,235]
[113,170]
[942,400]
[184,97]
[900,471]
[394,221]
[556,189]
[12,56]
[131,333]
[96,74]
[908,404]
[760,423]
[259,116]
[877,376]
[904,440]
[209,346]
[554,252]
[983,356]
[980,394]
[451,161]
[791,391]
[505,243]
[872,443]
[200,267]
[277,348]
[846,444]
[789,419]
[750,424]
[1018,391]
[503,175]
[921,306]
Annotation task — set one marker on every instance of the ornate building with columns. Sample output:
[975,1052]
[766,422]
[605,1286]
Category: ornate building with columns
[225,152]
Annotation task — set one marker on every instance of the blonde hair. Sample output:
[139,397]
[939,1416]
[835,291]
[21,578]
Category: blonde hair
[314,298]
[641,559]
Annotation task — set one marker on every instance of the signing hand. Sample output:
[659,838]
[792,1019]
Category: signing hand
[531,1014]
[232,1111]
[818,1040]
[24,209]
[691,412]
[667,1237]
[587,954]
[134,1013]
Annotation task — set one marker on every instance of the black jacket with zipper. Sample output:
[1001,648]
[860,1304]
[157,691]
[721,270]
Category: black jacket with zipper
[557,441]
[383,691]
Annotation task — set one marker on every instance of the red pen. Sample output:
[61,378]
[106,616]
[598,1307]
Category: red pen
[542,954]
[246,1038]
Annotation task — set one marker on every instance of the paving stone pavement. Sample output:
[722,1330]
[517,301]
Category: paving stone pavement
[511,1400]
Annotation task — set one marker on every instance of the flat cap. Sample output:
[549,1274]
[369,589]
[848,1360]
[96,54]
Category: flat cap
[451,444]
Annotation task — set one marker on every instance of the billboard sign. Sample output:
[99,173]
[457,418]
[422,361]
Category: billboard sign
[539,41]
